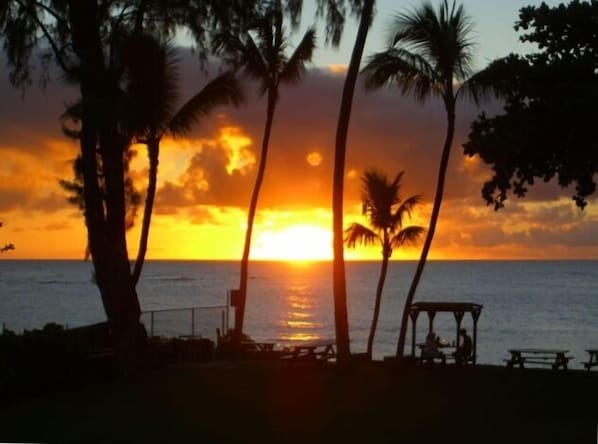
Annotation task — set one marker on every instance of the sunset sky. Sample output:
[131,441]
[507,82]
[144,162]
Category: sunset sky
[205,180]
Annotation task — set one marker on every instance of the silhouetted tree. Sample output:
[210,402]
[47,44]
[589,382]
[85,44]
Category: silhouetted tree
[386,213]
[6,247]
[549,126]
[339,283]
[152,94]
[82,37]
[261,53]
[430,56]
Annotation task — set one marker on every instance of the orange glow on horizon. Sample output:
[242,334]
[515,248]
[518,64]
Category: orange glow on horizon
[298,242]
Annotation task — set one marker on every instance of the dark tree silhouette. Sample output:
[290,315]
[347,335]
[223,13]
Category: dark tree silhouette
[339,282]
[152,95]
[260,52]
[386,212]
[83,37]
[549,126]
[430,52]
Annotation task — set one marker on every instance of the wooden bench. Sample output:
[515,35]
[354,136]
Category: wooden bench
[550,357]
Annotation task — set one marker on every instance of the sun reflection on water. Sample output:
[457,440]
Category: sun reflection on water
[299,318]
[300,337]
[298,315]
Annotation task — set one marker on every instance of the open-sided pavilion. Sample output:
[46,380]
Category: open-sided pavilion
[457,308]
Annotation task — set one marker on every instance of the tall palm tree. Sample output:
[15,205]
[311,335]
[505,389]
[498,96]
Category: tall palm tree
[152,95]
[339,283]
[260,52]
[386,212]
[430,56]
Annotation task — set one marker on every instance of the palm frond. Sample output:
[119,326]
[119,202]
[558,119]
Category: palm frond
[295,65]
[410,235]
[240,51]
[433,49]
[152,83]
[410,72]
[222,90]
[405,210]
[255,65]
[357,233]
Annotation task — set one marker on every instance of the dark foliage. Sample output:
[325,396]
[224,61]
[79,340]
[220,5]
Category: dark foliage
[549,126]
[87,40]
[48,358]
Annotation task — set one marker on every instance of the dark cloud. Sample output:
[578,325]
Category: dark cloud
[11,199]
[28,119]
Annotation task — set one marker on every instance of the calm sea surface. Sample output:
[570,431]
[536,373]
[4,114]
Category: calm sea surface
[526,303]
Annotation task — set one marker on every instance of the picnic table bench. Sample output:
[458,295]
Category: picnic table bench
[318,351]
[593,359]
[555,358]
[445,353]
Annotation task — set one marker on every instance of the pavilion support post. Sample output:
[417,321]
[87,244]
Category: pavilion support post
[413,315]
[475,340]
[431,316]
[458,319]
[475,314]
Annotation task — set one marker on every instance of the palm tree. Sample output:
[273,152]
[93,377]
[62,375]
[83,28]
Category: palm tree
[339,283]
[148,114]
[430,56]
[386,213]
[152,94]
[261,54]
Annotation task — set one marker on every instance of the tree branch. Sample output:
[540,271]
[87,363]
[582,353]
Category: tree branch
[46,33]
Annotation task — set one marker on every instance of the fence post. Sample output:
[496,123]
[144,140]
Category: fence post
[192,322]
[222,321]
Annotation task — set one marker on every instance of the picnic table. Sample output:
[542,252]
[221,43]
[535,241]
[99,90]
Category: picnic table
[441,356]
[554,357]
[593,360]
[322,350]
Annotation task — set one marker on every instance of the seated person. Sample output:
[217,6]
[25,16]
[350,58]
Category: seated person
[430,349]
[465,347]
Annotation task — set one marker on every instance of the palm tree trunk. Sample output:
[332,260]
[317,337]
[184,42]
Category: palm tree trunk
[338,267]
[446,151]
[379,288]
[240,309]
[153,150]
[104,216]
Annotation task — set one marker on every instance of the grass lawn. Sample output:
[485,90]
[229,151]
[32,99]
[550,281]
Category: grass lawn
[271,402]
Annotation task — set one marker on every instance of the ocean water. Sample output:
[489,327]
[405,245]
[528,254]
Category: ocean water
[548,304]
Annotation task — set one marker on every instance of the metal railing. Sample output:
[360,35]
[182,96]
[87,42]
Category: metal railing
[191,321]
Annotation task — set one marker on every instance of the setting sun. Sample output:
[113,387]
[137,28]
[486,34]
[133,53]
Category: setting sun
[294,243]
